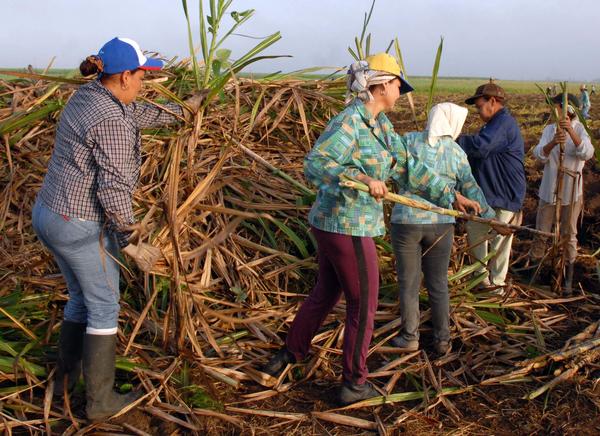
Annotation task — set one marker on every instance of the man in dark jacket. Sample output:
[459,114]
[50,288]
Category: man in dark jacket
[496,156]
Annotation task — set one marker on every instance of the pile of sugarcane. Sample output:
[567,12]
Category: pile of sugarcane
[225,200]
[579,352]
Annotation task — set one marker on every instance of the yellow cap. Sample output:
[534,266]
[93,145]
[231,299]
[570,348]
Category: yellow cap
[387,63]
[384,62]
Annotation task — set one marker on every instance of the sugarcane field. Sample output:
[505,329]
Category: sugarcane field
[196,243]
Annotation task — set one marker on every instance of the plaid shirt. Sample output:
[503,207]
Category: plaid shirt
[355,143]
[95,164]
[450,162]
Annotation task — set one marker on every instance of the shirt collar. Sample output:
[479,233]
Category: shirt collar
[366,115]
[99,86]
[497,114]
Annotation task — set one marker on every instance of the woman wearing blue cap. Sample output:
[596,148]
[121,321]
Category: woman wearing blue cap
[83,212]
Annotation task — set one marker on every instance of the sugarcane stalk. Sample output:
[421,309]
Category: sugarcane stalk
[558,194]
[585,360]
[400,199]
[409,96]
[577,349]
[276,171]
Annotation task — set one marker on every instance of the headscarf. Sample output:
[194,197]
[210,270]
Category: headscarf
[360,78]
[445,119]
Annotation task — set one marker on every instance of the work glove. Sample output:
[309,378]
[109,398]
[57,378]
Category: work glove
[195,101]
[144,255]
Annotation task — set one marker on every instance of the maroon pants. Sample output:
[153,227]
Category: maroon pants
[346,264]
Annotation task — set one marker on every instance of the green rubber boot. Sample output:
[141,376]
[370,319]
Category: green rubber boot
[99,375]
[70,351]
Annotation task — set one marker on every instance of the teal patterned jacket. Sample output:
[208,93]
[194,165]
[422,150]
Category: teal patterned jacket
[354,142]
[449,162]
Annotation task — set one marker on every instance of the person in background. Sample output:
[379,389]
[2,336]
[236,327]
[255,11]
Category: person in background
[359,143]
[593,90]
[423,240]
[578,149]
[496,156]
[83,213]
[585,102]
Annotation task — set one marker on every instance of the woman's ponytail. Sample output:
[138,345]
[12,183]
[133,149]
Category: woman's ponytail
[91,65]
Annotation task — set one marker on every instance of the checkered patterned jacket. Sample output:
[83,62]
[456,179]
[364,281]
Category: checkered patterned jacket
[95,164]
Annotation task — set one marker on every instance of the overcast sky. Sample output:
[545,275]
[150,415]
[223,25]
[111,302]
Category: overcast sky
[507,39]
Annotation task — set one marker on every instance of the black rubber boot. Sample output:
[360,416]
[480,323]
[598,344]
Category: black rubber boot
[99,375]
[352,392]
[568,286]
[70,350]
[278,362]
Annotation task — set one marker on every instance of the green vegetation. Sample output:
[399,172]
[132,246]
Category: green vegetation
[444,85]
[63,72]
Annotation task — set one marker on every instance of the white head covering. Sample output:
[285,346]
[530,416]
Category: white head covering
[360,78]
[445,119]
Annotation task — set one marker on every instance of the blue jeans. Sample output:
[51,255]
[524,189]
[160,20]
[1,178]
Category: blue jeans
[585,112]
[89,268]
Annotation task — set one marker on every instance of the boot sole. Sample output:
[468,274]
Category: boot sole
[343,403]
[406,349]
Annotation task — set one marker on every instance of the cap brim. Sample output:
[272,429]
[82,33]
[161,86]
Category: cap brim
[405,87]
[471,100]
[152,64]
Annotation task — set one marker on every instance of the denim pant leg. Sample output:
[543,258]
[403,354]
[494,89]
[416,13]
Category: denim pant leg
[437,246]
[77,244]
[585,112]
[406,241]
[75,310]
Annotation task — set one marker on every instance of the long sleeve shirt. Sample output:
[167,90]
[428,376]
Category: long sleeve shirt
[353,143]
[496,156]
[585,100]
[450,162]
[95,164]
[573,162]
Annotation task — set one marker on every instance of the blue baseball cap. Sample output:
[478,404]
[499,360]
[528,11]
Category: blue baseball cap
[122,54]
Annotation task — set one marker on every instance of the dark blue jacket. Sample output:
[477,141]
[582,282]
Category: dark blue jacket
[496,156]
